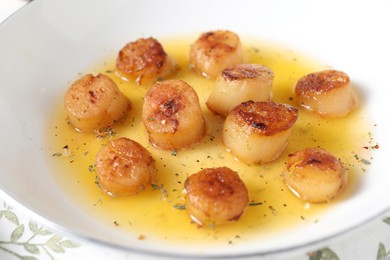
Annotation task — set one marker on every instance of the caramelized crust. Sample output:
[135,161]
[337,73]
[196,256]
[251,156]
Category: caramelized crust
[145,60]
[315,157]
[321,82]
[258,132]
[215,195]
[218,43]
[166,101]
[315,175]
[240,83]
[214,51]
[327,93]
[265,118]
[172,115]
[124,167]
[94,103]
[247,71]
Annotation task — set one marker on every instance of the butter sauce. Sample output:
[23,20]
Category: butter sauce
[159,211]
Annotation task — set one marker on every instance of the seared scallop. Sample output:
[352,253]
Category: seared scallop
[172,115]
[327,93]
[145,61]
[94,103]
[214,51]
[124,167]
[258,132]
[315,175]
[215,196]
[240,83]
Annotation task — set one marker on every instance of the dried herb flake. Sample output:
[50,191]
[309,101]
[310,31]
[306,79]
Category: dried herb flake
[179,206]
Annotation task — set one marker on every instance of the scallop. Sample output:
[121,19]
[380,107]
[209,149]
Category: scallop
[240,83]
[215,196]
[124,167]
[327,93]
[315,175]
[214,51]
[94,103]
[258,132]
[146,61]
[172,115]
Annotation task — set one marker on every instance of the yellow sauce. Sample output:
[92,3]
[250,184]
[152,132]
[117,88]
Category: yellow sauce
[156,212]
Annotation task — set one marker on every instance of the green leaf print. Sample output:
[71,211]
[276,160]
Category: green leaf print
[17,233]
[381,251]
[33,227]
[323,254]
[11,216]
[30,240]
[387,220]
[28,258]
[33,249]
[68,244]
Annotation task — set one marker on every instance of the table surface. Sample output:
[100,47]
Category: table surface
[24,238]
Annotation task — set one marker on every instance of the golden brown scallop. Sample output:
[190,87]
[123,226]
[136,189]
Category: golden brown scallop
[145,61]
[172,115]
[94,103]
[327,93]
[315,175]
[215,196]
[240,83]
[257,132]
[124,167]
[214,51]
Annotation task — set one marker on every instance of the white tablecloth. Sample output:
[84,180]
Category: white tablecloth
[23,238]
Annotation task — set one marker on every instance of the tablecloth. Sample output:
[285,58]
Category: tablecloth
[22,237]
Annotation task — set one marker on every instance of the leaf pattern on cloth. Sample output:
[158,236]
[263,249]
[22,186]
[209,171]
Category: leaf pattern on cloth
[32,239]
[382,252]
[387,220]
[323,254]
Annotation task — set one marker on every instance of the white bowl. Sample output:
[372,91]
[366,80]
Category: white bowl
[46,44]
